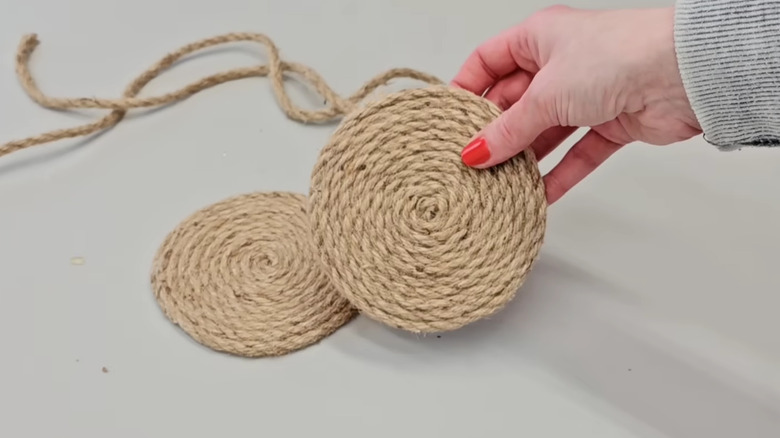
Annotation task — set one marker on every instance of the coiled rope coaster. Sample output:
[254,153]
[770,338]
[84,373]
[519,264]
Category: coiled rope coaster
[242,276]
[396,227]
[406,232]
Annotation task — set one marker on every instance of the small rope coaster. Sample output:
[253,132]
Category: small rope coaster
[241,276]
[411,236]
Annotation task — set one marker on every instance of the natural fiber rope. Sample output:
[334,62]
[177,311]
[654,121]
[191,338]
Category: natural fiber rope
[396,225]
[241,276]
[275,70]
[405,231]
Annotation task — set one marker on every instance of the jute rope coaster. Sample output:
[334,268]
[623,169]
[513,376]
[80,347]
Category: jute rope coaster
[408,233]
[241,276]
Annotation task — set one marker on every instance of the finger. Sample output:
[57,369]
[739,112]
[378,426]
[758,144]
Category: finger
[583,158]
[550,139]
[512,132]
[509,89]
[491,61]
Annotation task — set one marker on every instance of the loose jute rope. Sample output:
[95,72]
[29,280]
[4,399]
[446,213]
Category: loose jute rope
[395,227]
[275,69]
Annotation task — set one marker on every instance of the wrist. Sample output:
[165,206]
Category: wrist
[662,82]
[727,56]
[659,67]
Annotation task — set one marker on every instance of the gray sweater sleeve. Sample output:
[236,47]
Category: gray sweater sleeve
[728,52]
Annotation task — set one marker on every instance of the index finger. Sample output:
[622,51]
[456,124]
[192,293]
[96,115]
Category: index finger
[491,61]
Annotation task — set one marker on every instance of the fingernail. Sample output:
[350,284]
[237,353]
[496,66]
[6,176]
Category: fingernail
[475,153]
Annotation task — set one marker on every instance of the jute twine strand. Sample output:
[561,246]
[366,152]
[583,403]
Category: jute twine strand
[275,70]
[405,231]
[242,276]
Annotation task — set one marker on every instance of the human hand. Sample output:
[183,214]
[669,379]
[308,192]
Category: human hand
[614,71]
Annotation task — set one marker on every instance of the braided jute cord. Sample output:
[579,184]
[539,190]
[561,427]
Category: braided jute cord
[275,69]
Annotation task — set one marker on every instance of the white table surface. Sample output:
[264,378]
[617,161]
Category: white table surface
[652,311]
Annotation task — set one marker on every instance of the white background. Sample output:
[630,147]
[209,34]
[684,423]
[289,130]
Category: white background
[651,313]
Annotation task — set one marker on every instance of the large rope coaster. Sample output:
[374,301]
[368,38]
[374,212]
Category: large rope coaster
[395,226]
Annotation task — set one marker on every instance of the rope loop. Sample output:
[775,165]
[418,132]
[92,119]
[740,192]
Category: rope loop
[275,69]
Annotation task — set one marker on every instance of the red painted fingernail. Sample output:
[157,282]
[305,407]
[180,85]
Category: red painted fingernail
[475,153]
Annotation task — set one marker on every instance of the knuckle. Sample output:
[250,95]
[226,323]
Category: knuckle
[477,59]
[503,103]
[542,20]
[537,100]
[549,12]
[504,133]
[544,106]
[586,156]
[556,9]
[553,186]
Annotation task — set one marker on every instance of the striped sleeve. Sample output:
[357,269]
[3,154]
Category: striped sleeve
[728,52]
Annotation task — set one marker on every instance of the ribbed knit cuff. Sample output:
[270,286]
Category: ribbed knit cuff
[728,52]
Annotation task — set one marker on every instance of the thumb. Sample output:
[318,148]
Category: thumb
[512,132]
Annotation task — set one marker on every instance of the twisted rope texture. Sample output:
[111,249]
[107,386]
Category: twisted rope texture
[241,276]
[396,227]
[275,70]
[405,231]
